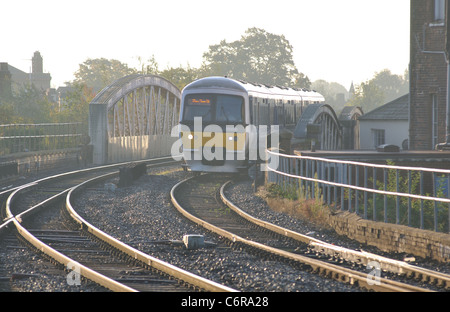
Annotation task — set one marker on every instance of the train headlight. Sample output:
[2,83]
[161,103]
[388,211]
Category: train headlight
[190,136]
[230,138]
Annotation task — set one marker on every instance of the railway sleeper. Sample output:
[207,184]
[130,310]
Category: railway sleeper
[48,258]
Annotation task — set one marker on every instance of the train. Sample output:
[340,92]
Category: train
[226,124]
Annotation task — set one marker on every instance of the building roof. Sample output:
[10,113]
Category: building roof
[15,71]
[398,109]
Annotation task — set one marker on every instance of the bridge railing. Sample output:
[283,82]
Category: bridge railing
[17,138]
[412,196]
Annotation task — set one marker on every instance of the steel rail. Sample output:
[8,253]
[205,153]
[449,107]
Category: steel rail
[7,221]
[57,256]
[391,265]
[83,270]
[334,271]
[137,255]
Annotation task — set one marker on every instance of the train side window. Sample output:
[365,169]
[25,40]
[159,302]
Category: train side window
[257,114]
[295,110]
[288,114]
[275,115]
[243,113]
[251,106]
[255,111]
[264,113]
[260,112]
[270,110]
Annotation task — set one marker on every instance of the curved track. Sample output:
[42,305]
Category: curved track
[199,200]
[86,251]
[441,280]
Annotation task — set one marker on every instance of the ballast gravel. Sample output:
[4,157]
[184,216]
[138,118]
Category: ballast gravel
[142,216]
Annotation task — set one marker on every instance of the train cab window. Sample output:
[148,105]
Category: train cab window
[214,108]
[229,108]
[198,106]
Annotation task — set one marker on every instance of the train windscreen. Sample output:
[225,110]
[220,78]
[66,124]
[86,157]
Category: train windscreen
[214,108]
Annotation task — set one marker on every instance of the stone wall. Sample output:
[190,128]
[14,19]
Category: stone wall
[33,162]
[393,238]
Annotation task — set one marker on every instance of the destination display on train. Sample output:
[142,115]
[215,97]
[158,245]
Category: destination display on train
[200,101]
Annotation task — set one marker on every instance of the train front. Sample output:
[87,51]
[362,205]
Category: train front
[213,125]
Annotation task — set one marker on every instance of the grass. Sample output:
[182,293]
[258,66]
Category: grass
[292,203]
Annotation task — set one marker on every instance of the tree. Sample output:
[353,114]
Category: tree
[302,81]
[393,86]
[384,87]
[31,106]
[258,56]
[7,115]
[75,106]
[98,73]
[150,67]
[368,96]
[331,92]
[223,60]
[180,76]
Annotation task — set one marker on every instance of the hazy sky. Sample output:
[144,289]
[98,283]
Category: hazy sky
[339,41]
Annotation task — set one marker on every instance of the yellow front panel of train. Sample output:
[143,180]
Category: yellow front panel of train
[231,141]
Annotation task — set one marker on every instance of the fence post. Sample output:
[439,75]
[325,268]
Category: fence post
[409,198]
[397,203]
[357,191]
[349,189]
[448,205]
[328,185]
[421,200]
[435,202]
[342,188]
[374,217]
[335,187]
[385,182]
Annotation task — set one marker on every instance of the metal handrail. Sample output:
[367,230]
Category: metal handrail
[310,174]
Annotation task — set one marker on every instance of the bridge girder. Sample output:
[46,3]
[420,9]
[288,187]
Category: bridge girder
[328,129]
[129,113]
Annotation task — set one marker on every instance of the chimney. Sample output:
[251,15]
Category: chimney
[37,63]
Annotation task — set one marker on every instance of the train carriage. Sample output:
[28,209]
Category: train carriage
[225,124]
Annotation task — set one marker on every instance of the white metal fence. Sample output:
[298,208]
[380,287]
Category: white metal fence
[412,196]
[16,138]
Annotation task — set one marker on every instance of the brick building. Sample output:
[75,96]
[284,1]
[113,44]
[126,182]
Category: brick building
[428,74]
[12,78]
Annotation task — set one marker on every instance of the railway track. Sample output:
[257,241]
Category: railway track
[202,200]
[362,258]
[85,252]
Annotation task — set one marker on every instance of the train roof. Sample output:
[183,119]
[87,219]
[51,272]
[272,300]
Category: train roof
[254,89]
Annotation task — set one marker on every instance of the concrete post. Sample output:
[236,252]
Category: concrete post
[98,119]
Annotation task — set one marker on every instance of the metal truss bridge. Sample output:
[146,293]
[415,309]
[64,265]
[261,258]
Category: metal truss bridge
[132,119]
